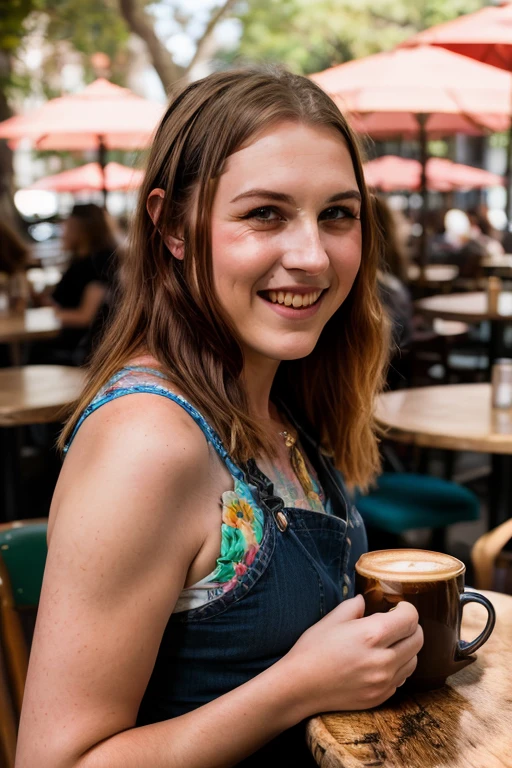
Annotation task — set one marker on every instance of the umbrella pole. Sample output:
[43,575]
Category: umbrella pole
[102,160]
[508,177]
[422,122]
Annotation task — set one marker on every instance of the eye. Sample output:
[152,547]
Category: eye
[337,213]
[266,213]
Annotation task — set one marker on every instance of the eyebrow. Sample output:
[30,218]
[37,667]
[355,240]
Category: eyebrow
[347,194]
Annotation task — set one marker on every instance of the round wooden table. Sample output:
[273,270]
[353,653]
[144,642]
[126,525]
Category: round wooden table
[31,325]
[433,273]
[457,417]
[472,308]
[498,263]
[32,394]
[465,724]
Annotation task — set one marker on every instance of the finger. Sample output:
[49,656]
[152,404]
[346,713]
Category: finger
[348,610]
[404,672]
[395,625]
[409,646]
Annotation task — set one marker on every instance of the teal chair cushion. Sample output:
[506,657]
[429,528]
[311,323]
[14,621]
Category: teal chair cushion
[402,501]
[23,551]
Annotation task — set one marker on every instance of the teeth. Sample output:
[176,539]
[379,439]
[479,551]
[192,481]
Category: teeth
[295,300]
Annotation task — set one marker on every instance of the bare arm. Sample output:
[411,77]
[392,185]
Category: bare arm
[124,533]
[82,317]
[120,548]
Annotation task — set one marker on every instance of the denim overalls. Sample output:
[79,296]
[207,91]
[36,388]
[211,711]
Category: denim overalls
[303,569]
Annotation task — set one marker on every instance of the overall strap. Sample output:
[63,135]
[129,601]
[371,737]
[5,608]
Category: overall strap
[157,389]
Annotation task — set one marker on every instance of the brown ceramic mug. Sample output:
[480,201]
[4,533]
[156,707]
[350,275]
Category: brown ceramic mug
[434,583]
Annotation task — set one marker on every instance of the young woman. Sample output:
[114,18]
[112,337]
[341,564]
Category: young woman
[201,542]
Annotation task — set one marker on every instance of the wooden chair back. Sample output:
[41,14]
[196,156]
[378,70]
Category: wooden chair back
[491,562]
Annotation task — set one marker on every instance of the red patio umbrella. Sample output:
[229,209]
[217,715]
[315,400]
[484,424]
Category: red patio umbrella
[90,178]
[420,91]
[391,173]
[103,116]
[485,36]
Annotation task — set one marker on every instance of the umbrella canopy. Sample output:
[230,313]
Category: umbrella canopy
[102,113]
[90,178]
[391,173]
[386,93]
[485,35]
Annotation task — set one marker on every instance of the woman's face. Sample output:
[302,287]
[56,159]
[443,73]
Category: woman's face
[286,238]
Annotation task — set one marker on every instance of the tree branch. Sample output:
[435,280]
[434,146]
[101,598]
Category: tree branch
[163,62]
[202,43]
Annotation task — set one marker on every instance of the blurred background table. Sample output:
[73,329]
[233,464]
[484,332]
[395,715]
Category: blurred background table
[434,273]
[457,417]
[30,325]
[472,308]
[34,394]
[465,724]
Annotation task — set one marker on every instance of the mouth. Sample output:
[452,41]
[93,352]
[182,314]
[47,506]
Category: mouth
[299,301]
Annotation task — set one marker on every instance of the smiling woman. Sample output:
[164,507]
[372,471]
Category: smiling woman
[199,581]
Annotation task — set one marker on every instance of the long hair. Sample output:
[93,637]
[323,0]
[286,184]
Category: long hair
[169,308]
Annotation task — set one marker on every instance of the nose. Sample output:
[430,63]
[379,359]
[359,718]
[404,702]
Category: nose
[305,250]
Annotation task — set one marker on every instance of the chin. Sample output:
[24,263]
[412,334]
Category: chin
[292,351]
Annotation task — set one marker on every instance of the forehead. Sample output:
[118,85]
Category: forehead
[291,151]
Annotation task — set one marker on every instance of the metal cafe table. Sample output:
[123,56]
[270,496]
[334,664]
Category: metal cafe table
[465,724]
[32,394]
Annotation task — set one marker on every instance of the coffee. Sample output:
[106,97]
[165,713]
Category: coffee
[434,583]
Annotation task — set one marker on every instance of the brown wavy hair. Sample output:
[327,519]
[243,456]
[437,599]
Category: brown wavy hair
[169,309]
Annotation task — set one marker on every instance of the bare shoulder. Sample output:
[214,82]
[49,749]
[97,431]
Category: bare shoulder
[142,445]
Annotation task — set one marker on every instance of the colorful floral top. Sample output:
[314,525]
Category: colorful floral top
[242,519]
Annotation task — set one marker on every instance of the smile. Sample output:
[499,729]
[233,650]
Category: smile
[289,299]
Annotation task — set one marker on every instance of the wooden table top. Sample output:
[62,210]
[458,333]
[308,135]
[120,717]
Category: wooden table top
[37,394]
[467,307]
[465,724]
[455,416]
[498,262]
[40,323]
[434,273]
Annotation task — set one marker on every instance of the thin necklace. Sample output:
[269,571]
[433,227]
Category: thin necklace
[299,465]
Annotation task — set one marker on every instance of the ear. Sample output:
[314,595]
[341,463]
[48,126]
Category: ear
[154,203]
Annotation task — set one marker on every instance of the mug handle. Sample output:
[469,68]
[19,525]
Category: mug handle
[464,649]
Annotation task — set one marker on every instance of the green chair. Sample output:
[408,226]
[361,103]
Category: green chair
[22,560]
[403,501]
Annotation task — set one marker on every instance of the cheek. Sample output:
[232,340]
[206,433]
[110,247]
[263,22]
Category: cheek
[346,259]
[239,256]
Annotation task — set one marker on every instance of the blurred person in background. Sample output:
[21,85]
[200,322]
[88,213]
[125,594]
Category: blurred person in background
[392,276]
[482,232]
[90,237]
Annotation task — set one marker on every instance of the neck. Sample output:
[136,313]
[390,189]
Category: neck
[258,375]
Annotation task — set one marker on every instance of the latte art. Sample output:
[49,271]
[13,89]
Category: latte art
[409,564]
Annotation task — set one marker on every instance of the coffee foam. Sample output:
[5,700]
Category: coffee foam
[409,565]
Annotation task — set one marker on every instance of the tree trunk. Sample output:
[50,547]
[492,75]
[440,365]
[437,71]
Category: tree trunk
[7,210]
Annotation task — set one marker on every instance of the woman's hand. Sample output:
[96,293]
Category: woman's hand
[349,662]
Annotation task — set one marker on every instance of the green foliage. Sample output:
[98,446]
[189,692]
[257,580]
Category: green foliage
[310,35]
[12,17]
